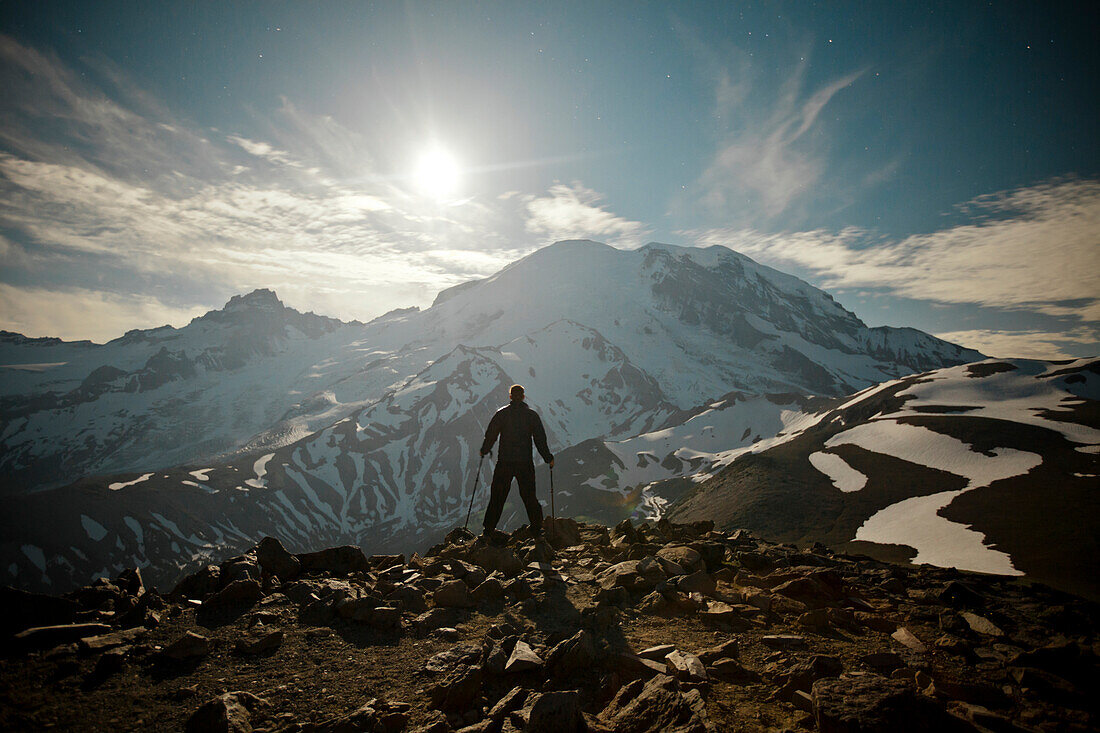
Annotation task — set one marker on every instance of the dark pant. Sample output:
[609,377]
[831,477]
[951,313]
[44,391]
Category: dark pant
[524,474]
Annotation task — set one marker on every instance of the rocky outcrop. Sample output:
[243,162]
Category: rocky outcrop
[652,627]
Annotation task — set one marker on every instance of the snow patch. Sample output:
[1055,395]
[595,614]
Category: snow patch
[916,521]
[843,476]
[124,484]
[94,529]
[135,527]
[260,469]
[35,555]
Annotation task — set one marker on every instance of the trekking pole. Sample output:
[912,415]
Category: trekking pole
[473,491]
[552,514]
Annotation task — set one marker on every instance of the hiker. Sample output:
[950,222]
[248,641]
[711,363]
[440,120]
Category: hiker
[517,425]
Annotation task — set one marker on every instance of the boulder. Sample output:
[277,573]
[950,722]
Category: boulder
[523,659]
[453,594]
[490,591]
[384,562]
[457,691]
[561,532]
[359,609]
[45,637]
[267,642]
[103,642]
[187,647]
[634,575]
[872,704]
[274,559]
[688,559]
[335,560]
[816,589]
[731,669]
[386,617]
[725,650]
[239,568]
[815,620]
[656,706]
[802,674]
[981,625]
[130,582]
[907,638]
[961,595]
[110,662]
[575,654]
[228,713]
[556,712]
[625,531]
[697,582]
[632,666]
[199,584]
[498,559]
[409,598]
[686,667]
[237,593]
[511,701]
[444,661]
[657,653]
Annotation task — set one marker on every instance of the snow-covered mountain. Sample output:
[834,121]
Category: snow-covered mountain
[395,472]
[257,375]
[256,419]
[992,467]
[160,397]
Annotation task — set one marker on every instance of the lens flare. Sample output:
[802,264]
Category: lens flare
[437,173]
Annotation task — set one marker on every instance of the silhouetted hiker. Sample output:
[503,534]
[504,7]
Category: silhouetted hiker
[517,425]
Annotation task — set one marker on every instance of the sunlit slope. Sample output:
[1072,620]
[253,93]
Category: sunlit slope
[991,467]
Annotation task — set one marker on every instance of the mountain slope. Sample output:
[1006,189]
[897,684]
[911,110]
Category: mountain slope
[990,467]
[158,398]
[703,322]
[257,375]
[394,473]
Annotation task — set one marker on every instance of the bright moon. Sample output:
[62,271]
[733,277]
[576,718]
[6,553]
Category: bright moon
[437,173]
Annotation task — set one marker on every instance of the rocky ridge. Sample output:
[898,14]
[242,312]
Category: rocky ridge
[655,627]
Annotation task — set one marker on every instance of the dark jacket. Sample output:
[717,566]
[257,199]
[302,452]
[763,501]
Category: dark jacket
[517,425]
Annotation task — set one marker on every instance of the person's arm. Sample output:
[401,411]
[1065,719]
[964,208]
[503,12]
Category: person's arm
[539,434]
[491,434]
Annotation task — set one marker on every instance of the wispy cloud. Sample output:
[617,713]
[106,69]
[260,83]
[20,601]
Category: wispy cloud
[769,165]
[575,212]
[1025,344]
[108,199]
[768,161]
[1031,249]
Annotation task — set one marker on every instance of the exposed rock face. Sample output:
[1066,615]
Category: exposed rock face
[275,559]
[228,713]
[604,635]
[877,705]
[657,706]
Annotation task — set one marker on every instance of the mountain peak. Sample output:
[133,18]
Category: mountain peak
[259,298]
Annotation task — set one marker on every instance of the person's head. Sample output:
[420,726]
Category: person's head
[516,393]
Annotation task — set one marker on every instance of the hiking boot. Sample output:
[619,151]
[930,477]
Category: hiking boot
[494,537]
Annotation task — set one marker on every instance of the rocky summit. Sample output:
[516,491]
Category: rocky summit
[651,627]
